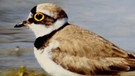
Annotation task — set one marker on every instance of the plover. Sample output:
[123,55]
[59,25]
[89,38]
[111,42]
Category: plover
[64,49]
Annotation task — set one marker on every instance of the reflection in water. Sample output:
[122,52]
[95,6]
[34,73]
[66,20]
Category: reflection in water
[112,19]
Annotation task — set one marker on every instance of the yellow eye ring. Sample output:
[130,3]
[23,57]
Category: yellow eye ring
[39,16]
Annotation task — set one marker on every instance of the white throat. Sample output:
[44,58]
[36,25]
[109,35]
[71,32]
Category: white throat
[41,30]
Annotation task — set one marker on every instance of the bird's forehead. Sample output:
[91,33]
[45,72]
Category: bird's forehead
[49,9]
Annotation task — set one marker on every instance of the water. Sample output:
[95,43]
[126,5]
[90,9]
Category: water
[112,19]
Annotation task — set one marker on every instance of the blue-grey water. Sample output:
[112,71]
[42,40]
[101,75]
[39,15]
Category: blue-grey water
[112,19]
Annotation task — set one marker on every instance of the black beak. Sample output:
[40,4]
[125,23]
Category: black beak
[21,24]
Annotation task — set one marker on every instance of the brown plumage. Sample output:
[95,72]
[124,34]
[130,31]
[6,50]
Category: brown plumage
[87,53]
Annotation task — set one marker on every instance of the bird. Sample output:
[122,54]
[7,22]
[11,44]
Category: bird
[65,49]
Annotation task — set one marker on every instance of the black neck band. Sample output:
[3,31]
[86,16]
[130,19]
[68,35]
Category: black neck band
[39,42]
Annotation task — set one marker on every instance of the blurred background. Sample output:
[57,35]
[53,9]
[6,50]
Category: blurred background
[112,19]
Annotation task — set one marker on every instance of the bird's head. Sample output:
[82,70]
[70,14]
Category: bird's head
[45,18]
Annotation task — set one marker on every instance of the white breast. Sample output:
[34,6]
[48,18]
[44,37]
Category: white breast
[44,58]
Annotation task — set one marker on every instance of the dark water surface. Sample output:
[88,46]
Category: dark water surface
[112,19]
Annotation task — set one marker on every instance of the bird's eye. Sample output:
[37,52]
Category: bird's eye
[39,16]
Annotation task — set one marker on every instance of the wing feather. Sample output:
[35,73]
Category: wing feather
[87,53]
[93,65]
[77,41]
